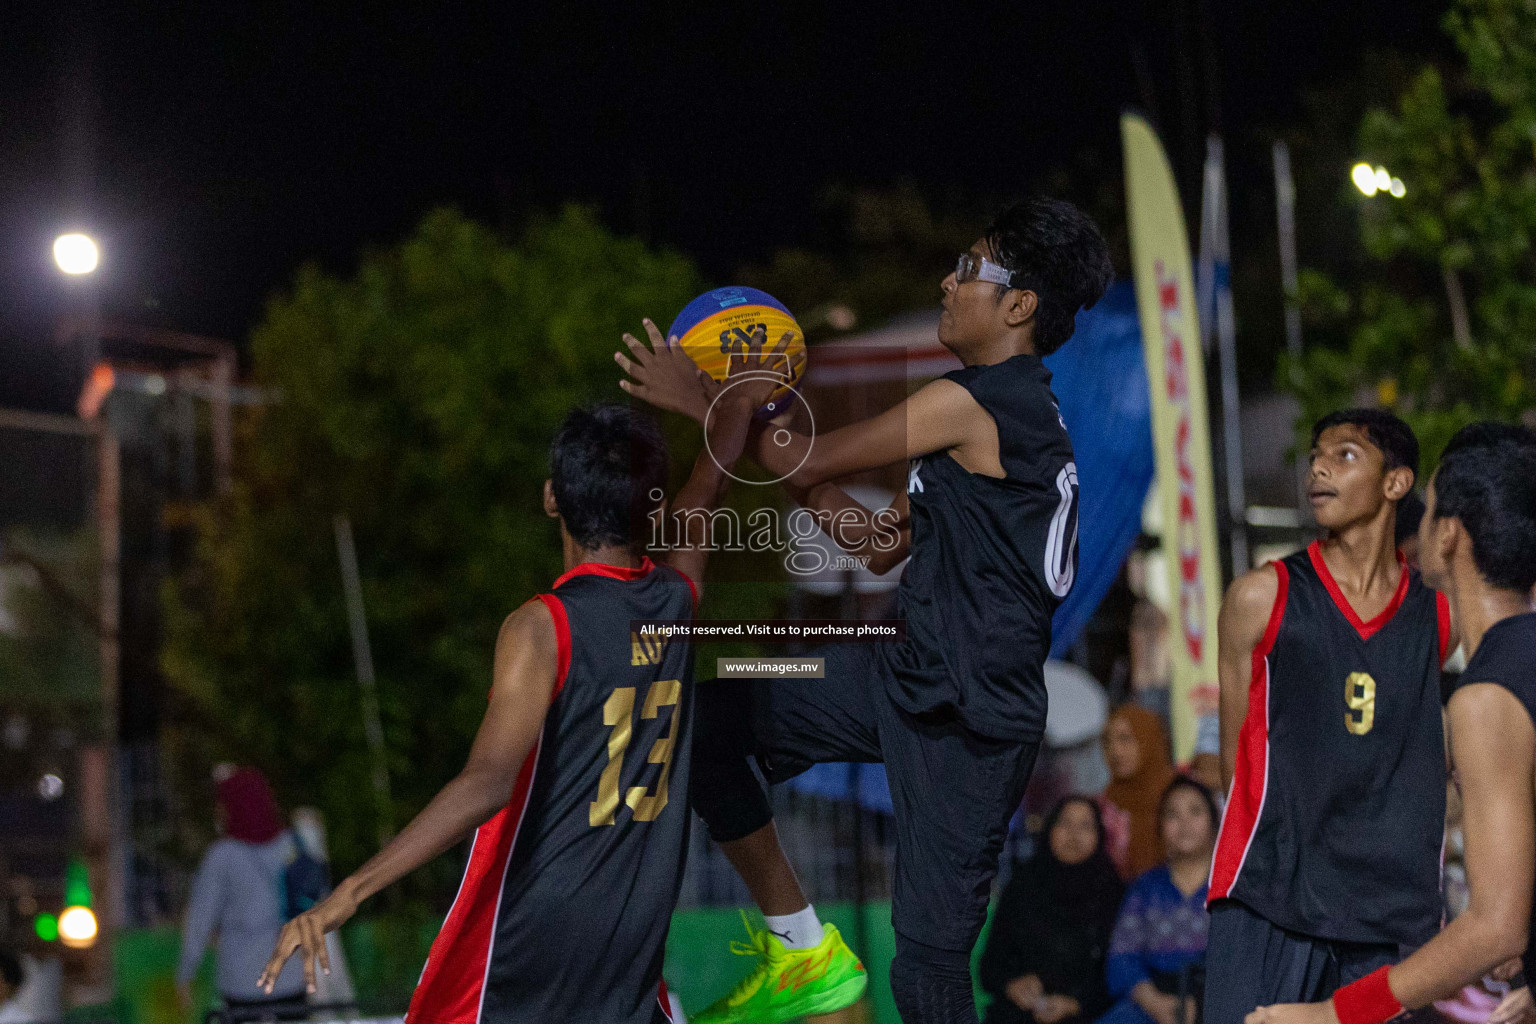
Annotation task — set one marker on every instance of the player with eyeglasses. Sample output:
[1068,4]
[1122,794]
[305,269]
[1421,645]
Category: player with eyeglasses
[956,710]
[972,266]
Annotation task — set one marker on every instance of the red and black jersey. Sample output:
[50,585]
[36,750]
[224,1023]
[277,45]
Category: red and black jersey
[563,912]
[1336,819]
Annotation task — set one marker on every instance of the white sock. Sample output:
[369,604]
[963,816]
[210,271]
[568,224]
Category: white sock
[800,930]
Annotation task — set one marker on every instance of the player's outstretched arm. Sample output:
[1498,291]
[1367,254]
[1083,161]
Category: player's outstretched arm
[524,679]
[727,425]
[1244,617]
[939,415]
[1494,745]
[689,510]
[663,375]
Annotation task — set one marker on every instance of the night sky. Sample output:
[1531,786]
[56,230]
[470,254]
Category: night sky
[215,147]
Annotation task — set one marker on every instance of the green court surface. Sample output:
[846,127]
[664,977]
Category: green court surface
[385,955]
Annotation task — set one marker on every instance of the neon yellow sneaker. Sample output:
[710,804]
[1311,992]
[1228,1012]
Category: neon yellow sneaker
[789,983]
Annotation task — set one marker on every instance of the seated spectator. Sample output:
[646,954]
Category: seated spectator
[1044,961]
[1157,952]
[1136,750]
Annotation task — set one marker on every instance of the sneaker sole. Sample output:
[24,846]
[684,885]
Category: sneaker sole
[836,998]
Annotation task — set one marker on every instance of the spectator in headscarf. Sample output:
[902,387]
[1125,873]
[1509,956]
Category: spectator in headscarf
[1157,952]
[1044,961]
[1136,750]
[237,895]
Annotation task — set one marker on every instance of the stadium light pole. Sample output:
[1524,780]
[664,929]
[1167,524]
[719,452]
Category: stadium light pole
[77,255]
[1285,218]
[100,814]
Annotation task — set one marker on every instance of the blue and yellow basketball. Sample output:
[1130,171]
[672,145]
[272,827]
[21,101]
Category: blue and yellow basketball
[720,323]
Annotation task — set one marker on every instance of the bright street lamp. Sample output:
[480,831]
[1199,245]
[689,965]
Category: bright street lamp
[1371,180]
[76,253]
[77,927]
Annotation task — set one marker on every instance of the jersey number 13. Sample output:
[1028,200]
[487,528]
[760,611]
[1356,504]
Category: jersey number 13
[618,715]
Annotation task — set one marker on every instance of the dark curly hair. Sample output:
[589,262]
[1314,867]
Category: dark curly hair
[1059,254]
[1487,479]
[1395,439]
[605,464]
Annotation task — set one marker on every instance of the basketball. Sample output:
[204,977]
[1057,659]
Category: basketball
[720,323]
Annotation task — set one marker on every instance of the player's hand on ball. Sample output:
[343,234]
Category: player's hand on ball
[664,376]
[755,375]
[1294,1013]
[748,387]
[306,934]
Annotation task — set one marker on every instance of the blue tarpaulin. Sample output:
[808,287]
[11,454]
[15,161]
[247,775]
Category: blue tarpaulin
[1100,380]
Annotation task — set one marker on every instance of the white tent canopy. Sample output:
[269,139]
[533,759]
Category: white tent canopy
[1079,707]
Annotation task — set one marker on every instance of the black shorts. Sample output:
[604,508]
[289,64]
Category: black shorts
[1250,962]
[953,790]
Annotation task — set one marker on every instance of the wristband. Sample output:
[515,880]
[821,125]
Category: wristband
[1367,1001]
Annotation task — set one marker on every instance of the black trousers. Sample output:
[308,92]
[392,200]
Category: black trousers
[1250,962]
[953,790]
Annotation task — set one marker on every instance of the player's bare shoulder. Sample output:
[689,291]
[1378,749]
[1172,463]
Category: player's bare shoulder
[1246,609]
[943,414]
[527,649]
[530,623]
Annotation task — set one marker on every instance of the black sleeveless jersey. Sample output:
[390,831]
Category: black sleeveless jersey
[991,558]
[1335,823]
[563,912]
[1507,658]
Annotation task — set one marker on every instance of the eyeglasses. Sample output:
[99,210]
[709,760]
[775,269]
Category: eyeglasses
[970,267]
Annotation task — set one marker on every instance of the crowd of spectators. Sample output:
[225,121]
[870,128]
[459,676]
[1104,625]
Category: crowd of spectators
[1106,921]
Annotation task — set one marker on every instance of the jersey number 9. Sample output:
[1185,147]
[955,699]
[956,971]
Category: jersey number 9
[1360,698]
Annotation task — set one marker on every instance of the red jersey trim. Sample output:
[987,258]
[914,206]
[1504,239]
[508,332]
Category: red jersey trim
[663,999]
[617,572]
[1250,779]
[1443,617]
[452,985]
[1276,614]
[562,639]
[562,642]
[1365,629]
